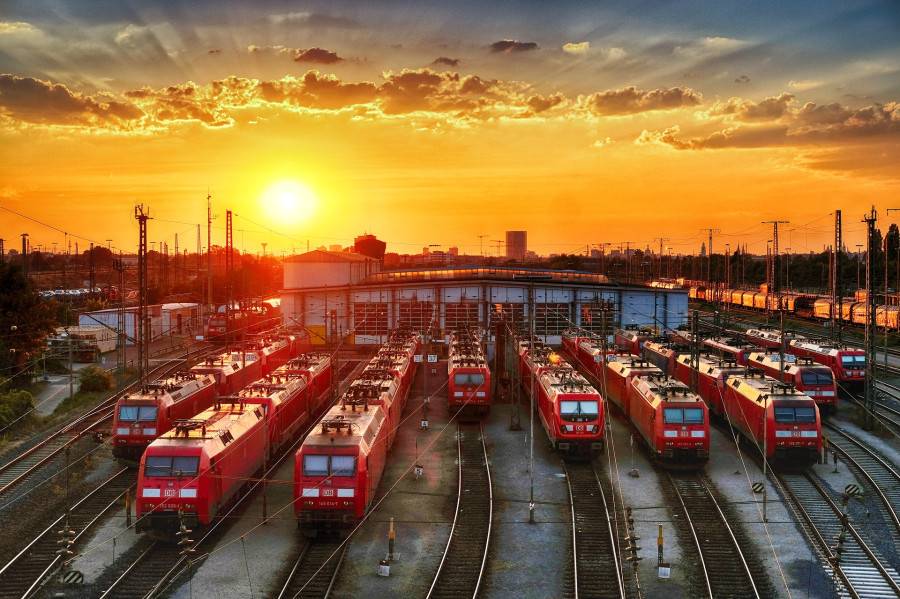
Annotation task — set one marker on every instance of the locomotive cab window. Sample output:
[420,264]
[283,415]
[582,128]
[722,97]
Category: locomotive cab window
[324,465]
[816,378]
[472,379]
[795,414]
[575,411]
[853,361]
[164,465]
[137,413]
[682,415]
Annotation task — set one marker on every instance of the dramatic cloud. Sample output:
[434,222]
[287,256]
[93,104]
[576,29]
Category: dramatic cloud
[35,101]
[509,46]
[579,48]
[443,60]
[539,104]
[810,125]
[318,91]
[317,55]
[631,100]
[804,85]
[308,19]
[770,109]
[17,27]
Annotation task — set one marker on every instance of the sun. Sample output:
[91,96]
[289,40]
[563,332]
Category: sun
[289,201]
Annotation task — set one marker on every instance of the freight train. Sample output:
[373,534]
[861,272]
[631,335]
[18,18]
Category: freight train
[340,463]
[469,378]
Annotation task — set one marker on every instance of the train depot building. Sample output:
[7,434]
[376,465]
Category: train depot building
[346,297]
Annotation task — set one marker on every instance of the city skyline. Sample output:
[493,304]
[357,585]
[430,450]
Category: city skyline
[426,124]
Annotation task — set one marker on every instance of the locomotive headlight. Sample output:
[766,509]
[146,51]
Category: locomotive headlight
[595,429]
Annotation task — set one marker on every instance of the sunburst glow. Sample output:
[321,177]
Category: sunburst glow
[289,202]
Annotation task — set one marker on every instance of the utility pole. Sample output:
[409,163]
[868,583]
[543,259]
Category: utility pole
[836,279]
[209,278]
[481,241]
[25,254]
[660,240]
[709,279]
[229,274]
[2,252]
[143,332]
[870,320]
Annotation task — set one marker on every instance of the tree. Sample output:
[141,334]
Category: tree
[25,321]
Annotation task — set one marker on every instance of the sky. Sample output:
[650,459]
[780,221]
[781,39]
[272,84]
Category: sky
[448,123]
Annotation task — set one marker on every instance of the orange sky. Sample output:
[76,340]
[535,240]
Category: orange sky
[439,154]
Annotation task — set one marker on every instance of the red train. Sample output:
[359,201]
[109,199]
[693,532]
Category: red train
[815,380]
[772,338]
[664,354]
[469,378]
[631,338]
[339,465]
[619,375]
[142,416]
[734,348]
[233,370]
[671,419]
[781,422]
[589,354]
[848,365]
[712,376]
[315,367]
[287,405]
[571,410]
[191,472]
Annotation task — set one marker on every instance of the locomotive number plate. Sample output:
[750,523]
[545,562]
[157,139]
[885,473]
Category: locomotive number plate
[169,492]
[327,492]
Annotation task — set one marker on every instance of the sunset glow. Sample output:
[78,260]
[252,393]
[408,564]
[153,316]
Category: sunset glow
[582,124]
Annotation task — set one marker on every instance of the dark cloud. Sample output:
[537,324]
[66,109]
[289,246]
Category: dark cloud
[216,51]
[443,60]
[770,109]
[35,101]
[742,79]
[540,104]
[509,46]
[631,100]
[317,91]
[317,55]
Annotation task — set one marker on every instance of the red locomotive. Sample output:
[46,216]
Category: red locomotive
[619,375]
[233,370]
[780,421]
[189,473]
[848,365]
[570,409]
[469,378]
[772,338]
[590,355]
[671,419]
[733,348]
[142,416]
[712,376]
[286,403]
[663,354]
[631,338]
[339,465]
[815,380]
[316,368]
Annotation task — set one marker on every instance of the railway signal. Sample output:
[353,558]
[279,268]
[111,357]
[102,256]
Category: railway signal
[66,542]
[183,541]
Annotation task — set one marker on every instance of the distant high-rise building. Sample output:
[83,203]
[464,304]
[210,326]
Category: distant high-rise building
[516,244]
[369,245]
[454,251]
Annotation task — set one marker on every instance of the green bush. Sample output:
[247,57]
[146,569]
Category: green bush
[92,378]
[13,405]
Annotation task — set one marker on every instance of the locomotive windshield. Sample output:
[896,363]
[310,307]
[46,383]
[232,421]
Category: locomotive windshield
[579,411]
[683,415]
[795,414]
[329,465]
[167,465]
[137,413]
[470,379]
[853,361]
[817,378]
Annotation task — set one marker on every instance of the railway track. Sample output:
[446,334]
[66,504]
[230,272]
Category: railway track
[161,566]
[461,570]
[860,573]
[50,449]
[725,571]
[38,561]
[315,570]
[881,478]
[596,555]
